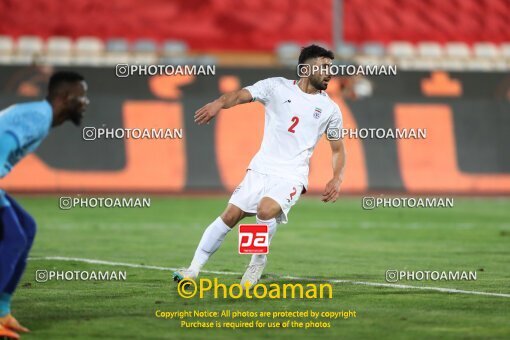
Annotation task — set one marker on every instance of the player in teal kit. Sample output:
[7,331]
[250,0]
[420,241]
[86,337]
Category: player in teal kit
[22,129]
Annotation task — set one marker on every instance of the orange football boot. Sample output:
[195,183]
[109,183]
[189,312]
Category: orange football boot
[7,333]
[10,322]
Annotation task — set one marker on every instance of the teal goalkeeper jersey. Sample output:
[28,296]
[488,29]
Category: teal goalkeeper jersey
[29,123]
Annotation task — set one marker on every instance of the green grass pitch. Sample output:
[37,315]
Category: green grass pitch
[321,241]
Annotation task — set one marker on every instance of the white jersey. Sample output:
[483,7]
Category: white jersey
[294,124]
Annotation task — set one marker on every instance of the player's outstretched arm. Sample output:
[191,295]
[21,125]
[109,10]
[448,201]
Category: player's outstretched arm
[228,100]
[332,190]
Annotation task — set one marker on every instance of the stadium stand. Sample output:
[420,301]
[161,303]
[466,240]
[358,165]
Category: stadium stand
[419,35]
[428,20]
[261,25]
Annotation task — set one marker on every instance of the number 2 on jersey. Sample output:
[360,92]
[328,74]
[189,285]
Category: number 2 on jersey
[295,121]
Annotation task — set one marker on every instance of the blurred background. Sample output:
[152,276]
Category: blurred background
[453,60]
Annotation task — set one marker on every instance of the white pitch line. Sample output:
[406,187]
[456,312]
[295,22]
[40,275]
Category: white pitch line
[293,278]
[121,264]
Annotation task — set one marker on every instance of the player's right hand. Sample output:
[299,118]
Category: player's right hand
[207,112]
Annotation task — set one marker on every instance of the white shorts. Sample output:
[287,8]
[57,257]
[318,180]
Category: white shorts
[256,185]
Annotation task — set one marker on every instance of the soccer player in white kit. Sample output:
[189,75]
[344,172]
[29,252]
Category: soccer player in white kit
[297,114]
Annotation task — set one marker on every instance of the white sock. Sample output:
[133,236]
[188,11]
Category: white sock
[211,240]
[271,228]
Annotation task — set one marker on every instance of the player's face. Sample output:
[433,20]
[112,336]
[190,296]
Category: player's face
[320,79]
[76,102]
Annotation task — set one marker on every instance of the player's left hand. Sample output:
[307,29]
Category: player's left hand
[332,190]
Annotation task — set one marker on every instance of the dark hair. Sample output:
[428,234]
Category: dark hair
[62,77]
[314,51]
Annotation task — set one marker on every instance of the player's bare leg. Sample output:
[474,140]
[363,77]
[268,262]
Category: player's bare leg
[211,240]
[267,211]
